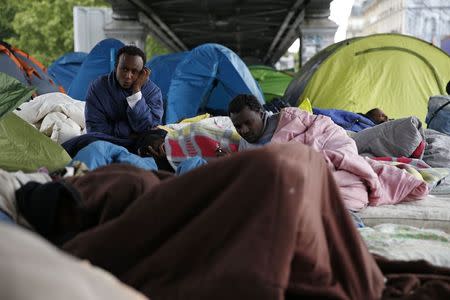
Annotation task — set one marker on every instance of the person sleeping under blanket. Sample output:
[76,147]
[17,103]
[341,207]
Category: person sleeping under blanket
[234,235]
[361,181]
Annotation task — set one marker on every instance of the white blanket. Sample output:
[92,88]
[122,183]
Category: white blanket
[56,115]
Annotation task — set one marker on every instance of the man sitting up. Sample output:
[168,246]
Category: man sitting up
[121,105]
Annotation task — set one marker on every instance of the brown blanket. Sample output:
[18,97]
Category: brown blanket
[416,280]
[262,224]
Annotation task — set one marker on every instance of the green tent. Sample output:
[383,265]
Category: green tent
[272,82]
[394,72]
[12,93]
[23,147]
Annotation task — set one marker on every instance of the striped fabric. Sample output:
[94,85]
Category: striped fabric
[198,139]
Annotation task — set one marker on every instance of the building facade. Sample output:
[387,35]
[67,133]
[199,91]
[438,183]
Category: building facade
[426,19]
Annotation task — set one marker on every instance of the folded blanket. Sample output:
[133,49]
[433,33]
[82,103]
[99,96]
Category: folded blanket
[394,138]
[55,114]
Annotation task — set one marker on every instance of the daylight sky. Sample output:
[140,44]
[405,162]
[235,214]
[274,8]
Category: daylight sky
[339,13]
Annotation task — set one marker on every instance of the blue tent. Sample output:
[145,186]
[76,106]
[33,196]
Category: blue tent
[99,61]
[163,68]
[206,80]
[64,69]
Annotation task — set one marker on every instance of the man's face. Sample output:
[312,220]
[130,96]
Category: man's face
[249,124]
[128,69]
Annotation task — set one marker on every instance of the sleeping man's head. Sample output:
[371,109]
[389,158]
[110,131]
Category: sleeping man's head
[377,116]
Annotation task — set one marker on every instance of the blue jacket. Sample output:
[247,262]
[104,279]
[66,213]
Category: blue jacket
[107,110]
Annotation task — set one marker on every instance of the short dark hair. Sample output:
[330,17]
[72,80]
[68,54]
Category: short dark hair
[372,111]
[131,50]
[242,101]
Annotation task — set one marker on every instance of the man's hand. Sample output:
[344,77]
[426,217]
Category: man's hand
[221,152]
[141,80]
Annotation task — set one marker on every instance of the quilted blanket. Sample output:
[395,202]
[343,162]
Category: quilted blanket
[55,114]
[199,139]
[394,138]
[402,242]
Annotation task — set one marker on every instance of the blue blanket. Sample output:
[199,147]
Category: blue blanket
[102,153]
[346,119]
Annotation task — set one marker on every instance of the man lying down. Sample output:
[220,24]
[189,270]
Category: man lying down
[262,224]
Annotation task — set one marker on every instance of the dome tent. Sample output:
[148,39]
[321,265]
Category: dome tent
[272,82]
[163,68]
[394,72]
[65,68]
[26,69]
[98,62]
[206,80]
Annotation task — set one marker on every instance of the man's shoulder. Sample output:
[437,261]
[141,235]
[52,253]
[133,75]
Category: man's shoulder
[97,88]
[150,86]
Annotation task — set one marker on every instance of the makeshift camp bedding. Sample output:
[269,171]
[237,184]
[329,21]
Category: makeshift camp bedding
[417,168]
[55,114]
[9,183]
[394,138]
[437,152]
[361,181]
[403,242]
[432,212]
[24,148]
[234,235]
[346,119]
[220,122]
[199,139]
[31,268]
[102,153]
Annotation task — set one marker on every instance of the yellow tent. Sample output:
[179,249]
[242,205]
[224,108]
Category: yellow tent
[394,72]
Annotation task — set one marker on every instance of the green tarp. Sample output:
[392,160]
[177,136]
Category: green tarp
[12,93]
[22,146]
[272,82]
[394,72]
[25,148]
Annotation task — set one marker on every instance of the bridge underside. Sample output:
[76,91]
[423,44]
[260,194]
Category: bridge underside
[259,31]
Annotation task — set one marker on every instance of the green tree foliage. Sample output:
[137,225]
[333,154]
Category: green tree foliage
[44,28]
[8,10]
[153,47]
